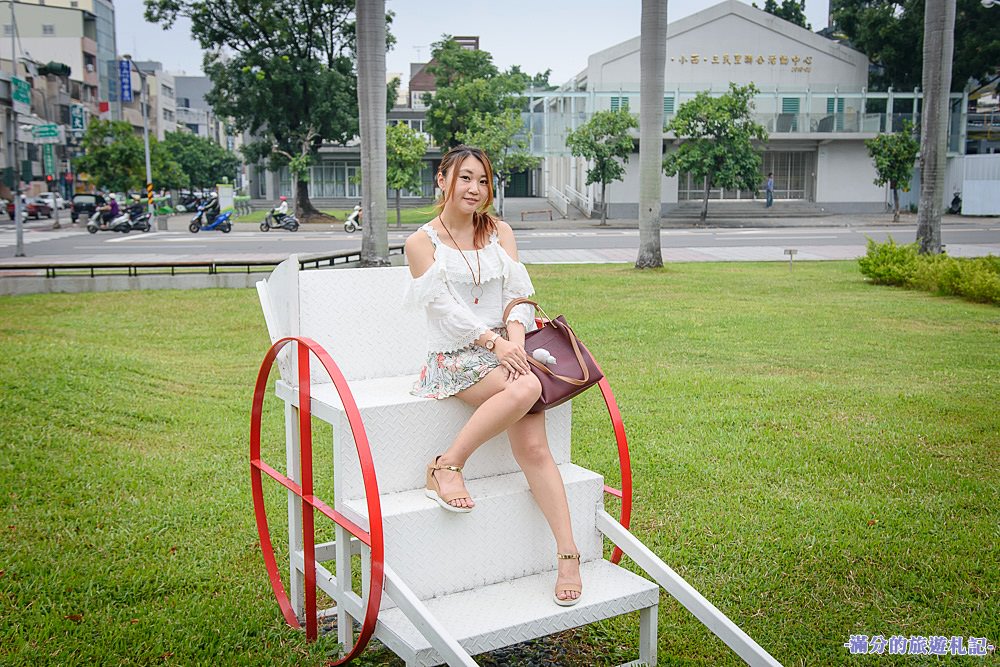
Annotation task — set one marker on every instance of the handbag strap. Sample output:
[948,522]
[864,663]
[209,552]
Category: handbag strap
[567,332]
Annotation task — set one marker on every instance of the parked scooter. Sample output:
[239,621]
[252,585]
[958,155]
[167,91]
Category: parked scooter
[353,222]
[122,223]
[287,221]
[221,221]
[956,204]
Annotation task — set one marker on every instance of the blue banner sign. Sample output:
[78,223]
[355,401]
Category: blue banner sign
[125,74]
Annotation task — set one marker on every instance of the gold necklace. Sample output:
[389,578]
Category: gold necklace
[476,280]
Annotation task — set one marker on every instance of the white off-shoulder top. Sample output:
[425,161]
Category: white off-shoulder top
[445,292]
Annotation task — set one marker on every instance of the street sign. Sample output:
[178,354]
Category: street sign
[125,74]
[49,159]
[48,131]
[76,118]
[21,95]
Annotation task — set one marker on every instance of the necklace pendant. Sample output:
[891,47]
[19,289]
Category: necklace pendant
[476,291]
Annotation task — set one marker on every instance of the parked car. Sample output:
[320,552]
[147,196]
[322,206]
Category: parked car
[54,200]
[84,205]
[34,208]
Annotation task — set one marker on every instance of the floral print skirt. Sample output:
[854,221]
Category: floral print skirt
[447,373]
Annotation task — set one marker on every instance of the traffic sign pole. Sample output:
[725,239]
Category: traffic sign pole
[15,94]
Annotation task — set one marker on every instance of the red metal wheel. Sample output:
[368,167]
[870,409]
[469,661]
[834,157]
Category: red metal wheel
[373,538]
[624,461]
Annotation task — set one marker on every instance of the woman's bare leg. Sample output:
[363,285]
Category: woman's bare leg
[530,445]
[500,404]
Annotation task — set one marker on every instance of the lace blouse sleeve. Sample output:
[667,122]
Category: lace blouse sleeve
[516,285]
[452,324]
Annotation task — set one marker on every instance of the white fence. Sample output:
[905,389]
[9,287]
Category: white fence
[981,185]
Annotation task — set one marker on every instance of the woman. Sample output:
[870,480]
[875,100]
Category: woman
[465,271]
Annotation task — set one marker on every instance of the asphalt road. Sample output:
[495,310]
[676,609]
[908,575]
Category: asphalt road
[834,237]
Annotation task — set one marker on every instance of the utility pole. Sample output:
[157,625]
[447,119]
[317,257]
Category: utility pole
[145,139]
[18,211]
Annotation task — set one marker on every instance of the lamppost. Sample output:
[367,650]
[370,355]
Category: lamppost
[160,225]
[18,211]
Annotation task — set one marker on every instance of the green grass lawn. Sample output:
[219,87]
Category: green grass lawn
[817,456]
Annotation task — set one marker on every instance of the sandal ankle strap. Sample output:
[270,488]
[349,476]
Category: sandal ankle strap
[568,556]
[435,466]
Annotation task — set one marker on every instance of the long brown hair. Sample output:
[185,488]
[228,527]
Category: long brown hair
[483,223]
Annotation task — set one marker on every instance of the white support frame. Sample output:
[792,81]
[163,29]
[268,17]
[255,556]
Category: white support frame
[713,619]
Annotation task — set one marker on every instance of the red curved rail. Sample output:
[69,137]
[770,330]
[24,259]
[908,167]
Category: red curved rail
[373,538]
[624,461]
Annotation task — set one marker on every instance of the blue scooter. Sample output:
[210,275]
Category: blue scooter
[221,222]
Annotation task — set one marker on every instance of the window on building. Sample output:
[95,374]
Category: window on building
[8,30]
[48,29]
[668,105]
[788,121]
[619,103]
[167,91]
[835,107]
[74,4]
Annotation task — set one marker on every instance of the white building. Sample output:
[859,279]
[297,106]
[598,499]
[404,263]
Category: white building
[813,102]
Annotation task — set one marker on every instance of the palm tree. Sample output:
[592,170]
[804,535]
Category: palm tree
[652,64]
[939,43]
[371,112]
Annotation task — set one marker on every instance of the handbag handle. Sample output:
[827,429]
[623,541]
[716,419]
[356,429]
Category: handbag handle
[567,332]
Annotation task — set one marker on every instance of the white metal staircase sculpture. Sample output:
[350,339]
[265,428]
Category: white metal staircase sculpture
[455,584]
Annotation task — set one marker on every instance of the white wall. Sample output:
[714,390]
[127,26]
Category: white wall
[845,173]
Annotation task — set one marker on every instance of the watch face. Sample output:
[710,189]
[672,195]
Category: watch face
[489,344]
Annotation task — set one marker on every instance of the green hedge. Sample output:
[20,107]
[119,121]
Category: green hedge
[976,279]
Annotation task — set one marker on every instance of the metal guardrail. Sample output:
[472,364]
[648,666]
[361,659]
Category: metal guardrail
[185,266]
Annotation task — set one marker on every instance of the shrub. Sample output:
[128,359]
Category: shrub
[888,263]
[976,279]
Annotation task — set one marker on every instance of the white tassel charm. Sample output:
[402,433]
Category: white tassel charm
[543,356]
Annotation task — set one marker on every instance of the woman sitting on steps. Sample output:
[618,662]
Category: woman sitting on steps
[465,270]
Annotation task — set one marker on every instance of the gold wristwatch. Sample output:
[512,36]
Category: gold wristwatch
[491,343]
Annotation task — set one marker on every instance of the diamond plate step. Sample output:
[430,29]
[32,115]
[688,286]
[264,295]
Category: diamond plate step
[437,552]
[405,433]
[514,611]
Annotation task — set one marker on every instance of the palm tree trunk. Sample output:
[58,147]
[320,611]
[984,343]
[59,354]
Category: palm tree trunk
[652,64]
[939,42]
[399,216]
[895,199]
[371,112]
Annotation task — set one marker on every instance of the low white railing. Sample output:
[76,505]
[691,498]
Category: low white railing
[558,200]
[583,202]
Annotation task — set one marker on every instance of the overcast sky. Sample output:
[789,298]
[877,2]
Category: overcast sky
[537,35]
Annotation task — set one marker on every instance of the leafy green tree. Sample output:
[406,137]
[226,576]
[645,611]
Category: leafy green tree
[793,11]
[605,140]
[717,135]
[467,82]
[115,159]
[405,148]
[502,136]
[891,32]
[168,174]
[283,70]
[205,162]
[894,156]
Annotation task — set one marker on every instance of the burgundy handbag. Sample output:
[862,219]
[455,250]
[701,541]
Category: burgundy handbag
[574,369]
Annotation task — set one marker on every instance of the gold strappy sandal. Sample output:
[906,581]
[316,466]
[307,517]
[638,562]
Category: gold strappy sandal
[567,587]
[433,489]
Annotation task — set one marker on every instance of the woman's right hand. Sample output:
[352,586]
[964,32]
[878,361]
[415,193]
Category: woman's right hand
[512,356]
